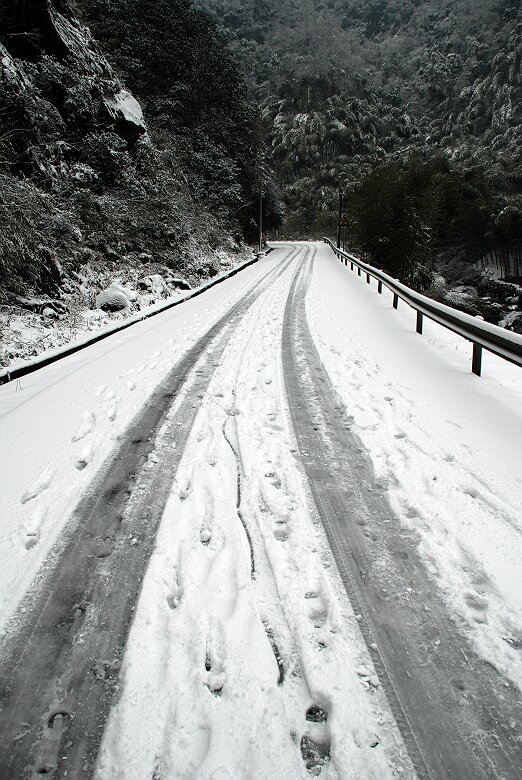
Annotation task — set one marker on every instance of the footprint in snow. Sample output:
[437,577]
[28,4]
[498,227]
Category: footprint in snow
[478,606]
[40,484]
[85,457]
[211,457]
[281,530]
[318,613]
[86,427]
[33,527]
[214,660]
[176,592]
[319,617]
[185,490]
[112,413]
[111,405]
[31,539]
[315,743]
[274,480]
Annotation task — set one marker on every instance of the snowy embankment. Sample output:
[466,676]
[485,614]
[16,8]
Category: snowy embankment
[446,442]
[26,337]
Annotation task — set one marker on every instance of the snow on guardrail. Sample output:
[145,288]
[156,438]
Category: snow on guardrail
[483,335]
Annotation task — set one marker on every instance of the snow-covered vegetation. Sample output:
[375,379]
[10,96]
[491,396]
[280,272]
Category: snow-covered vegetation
[96,179]
[413,108]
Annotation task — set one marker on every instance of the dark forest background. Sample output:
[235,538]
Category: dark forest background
[413,106]
[82,180]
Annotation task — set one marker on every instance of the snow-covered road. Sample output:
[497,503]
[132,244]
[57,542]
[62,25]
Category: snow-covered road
[245,657]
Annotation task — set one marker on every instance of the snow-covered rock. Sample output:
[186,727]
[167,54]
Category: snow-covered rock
[132,295]
[180,284]
[112,299]
[155,284]
[127,115]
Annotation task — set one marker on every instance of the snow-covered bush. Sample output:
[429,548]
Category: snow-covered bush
[112,299]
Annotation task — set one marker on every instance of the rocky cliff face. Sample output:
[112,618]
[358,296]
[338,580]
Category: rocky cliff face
[63,116]
[55,80]
[82,181]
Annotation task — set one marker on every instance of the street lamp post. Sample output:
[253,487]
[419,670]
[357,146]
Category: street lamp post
[261,219]
[341,196]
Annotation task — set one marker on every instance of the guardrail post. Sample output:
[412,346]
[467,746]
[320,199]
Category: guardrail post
[506,345]
[476,364]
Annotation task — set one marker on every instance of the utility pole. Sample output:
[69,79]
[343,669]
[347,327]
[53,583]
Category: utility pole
[261,219]
[341,196]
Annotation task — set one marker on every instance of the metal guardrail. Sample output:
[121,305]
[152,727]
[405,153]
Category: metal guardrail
[483,335]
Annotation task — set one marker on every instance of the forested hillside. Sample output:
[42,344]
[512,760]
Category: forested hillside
[413,106]
[125,131]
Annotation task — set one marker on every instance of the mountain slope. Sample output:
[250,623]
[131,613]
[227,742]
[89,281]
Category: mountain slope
[86,177]
[348,86]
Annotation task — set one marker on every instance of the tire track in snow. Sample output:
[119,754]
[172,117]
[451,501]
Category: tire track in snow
[63,651]
[238,499]
[199,658]
[235,448]
[453,711]
[315,750]
[217,587]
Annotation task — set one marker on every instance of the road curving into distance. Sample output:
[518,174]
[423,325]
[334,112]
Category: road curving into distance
[59,669]
[452,708]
